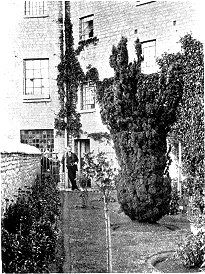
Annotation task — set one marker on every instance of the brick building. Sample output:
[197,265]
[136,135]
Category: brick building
[32,45]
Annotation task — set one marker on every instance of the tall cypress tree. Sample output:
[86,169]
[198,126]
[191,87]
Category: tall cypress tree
[139,110]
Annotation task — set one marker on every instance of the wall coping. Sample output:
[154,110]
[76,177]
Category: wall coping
[13,146]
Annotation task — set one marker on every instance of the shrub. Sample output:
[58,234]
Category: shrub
[192,252]
[83,181]
[29,229]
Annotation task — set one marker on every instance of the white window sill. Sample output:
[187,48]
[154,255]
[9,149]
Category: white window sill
[36,16]
[34,98]
[81,111]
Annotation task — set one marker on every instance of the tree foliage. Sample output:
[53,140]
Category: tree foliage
[139,111]
[189,128]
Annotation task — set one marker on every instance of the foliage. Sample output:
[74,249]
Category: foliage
[196,212]
[139,111]
[98,168]
[192,252]
[85,43]
[92,74]
[174,203]
[83,181]
[189,128]
[69,77]
[99,136]
[30,230]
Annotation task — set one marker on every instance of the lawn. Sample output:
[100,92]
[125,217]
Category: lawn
[134,245]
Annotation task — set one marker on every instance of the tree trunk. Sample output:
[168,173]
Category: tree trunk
[108,236]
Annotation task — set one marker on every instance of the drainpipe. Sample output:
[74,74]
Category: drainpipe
[65,98]
[179,171]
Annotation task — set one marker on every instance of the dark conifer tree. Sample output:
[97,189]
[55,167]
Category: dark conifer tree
[139,110]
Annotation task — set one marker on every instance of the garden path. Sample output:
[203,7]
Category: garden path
[84,234]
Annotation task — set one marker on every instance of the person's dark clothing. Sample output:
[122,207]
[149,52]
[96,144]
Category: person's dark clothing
[72,168]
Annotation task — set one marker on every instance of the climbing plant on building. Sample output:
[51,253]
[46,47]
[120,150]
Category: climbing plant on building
[139,111]
[69,77]
[85,43]
[189,128]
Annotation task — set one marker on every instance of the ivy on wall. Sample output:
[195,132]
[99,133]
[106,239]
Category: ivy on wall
[189,127]
[85,43]
[100,136]
[68,80]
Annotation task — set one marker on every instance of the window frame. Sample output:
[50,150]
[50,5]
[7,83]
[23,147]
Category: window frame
[42,139]
[82,105]
[34,95]
[37,14]
[82,21]
[144,67]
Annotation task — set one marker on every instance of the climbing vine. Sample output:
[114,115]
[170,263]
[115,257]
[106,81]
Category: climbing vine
[100,136]
[189,127]
[85,43]
[69,77]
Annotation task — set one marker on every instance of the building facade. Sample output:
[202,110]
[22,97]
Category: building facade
[32,54]
[158,24]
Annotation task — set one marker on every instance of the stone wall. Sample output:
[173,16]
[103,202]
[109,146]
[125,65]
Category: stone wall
[19,169]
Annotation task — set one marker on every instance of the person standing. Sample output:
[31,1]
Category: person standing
[71,164]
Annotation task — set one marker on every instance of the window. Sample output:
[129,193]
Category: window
[43,139]
[88,96]
[33,8]
[86,27]
[36,82]
[149,54]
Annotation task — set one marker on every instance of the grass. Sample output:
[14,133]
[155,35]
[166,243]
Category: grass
[133,243]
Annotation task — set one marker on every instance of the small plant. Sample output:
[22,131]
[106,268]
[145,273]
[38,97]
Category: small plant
[192,252]
[98,168]
[84,182]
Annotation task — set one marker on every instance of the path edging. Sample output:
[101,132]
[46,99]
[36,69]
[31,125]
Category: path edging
[157,258]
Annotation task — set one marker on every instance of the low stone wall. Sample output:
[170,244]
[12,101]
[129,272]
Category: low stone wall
[20,165]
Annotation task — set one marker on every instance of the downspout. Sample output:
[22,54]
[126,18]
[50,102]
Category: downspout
[65,98]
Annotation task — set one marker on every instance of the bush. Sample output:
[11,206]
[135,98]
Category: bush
[83,181]
[29,229]
[192,251]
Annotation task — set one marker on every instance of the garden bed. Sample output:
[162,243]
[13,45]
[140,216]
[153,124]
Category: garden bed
[171,264]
